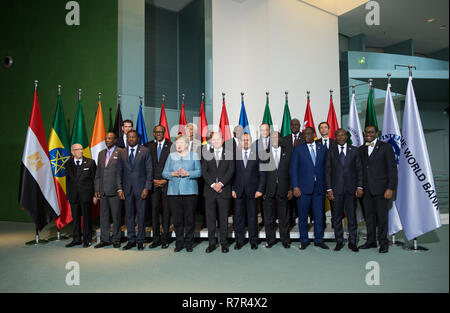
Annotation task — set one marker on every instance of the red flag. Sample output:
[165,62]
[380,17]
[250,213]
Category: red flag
[202,127]
[309,121]
[332,120]
[182,123]
[163,122]
[224,125]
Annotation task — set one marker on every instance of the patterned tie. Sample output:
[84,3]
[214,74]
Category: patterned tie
[132,157]
[108,155]
[158,152]
[342,156]
[313,154]
[245,159]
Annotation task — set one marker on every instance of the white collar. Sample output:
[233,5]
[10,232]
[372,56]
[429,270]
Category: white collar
[161,143]
[344,145]
[374,142]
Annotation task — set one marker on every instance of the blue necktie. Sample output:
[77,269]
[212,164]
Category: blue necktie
[158,152]
[245,159]
[132,157]
[313,154]
[342,156]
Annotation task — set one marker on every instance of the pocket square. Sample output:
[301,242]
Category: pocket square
[86,169]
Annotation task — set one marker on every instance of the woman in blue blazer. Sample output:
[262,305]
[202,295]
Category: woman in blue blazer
[182,170]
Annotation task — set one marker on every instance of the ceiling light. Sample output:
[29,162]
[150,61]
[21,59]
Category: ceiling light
[443,27]
[431,20]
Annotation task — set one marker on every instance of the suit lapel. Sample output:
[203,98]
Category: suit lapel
[375,149]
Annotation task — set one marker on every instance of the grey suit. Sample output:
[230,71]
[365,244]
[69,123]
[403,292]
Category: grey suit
[110,204]
[132,179]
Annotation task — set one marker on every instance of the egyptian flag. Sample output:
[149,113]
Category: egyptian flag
[37,192]
[202,129]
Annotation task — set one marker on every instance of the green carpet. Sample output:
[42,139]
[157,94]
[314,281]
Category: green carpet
[42,268]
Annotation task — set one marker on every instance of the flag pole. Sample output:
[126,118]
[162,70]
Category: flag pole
[37,240]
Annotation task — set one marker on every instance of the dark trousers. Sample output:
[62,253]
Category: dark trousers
[83,209]
[183,210]
[241,206]
[316,202]
[214,205]
[376,210]
[135,207]
[110,206]
[293,211]
[160,210]
[347,203]
[270,206]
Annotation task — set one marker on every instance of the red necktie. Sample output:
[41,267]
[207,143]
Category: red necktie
[295,140]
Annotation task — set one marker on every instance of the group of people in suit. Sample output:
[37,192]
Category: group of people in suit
[283,177]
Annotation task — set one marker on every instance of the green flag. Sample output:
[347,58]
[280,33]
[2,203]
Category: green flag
[286,124]
[267,118]
[371,115]
[79,131]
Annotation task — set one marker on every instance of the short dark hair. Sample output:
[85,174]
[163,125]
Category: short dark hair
[376,128]
[115,136]
[127,121]
[309,127]
[159,126]
[324,123]
[133,131]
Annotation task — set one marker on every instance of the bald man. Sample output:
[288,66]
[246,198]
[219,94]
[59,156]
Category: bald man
[80,175]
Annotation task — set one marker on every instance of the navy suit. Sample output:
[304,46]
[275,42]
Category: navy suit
[132,179]
[310,179]
[247,181]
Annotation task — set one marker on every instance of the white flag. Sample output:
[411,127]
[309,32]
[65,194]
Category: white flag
[354,126]
[417,201]
[391,134]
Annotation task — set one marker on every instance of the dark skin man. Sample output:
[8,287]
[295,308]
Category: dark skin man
[159,134]
[309,138]
[341,139]
[110,141]
[370,134]
[132,141]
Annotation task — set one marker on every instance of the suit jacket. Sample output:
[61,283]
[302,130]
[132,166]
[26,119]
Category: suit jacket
[248,179]
[332,142]
[133,179]
[343,179]
[231,148]
[80,180]
[288,143]
[106,176]
[263,154]
[277,180]
[196,147]
[304,173]
[119,142]
[380,169]
[158,166]
[213,174]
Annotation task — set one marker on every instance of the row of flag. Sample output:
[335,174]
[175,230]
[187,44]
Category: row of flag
[42,190]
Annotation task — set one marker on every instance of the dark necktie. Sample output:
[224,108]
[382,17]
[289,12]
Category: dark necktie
[325,143]
[78,162]
[295,140]
[158,152]
[342,156]
[132,157]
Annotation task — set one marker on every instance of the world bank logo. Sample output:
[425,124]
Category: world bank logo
[58,160]
[394,140]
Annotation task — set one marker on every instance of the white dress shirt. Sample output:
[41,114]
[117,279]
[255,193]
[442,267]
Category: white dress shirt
[345,149]
[134,152]
[326,142]
[370,149]
[125,140]
[219,152]
[276,152]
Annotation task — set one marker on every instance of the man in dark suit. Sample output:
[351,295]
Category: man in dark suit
[307,182]
[248,186]
[379,183]
[263,150]
[343,181]
[80,174]
[290,142]
[325,140]
[159,151]
[127,125]
[277,192]
[134,182]
[217,173]
[106,192]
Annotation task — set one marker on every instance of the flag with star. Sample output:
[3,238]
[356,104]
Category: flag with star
[59,151]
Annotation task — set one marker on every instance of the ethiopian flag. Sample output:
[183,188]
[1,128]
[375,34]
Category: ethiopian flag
[59,152]
[79,131]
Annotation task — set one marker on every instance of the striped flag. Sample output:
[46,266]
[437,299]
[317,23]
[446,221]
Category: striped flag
[59,150]
[37,192]
[98,133]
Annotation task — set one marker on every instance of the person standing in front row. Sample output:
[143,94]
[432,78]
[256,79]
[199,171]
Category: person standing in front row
[134,182]
[343,181]
[278,192]
[307,181]
[106,191]
[217,173]
[248,186]
[159,150]
[182,170]
[379,182]
[80,193]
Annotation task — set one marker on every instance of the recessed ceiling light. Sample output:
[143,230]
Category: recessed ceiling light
[443,27]
[431,20]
